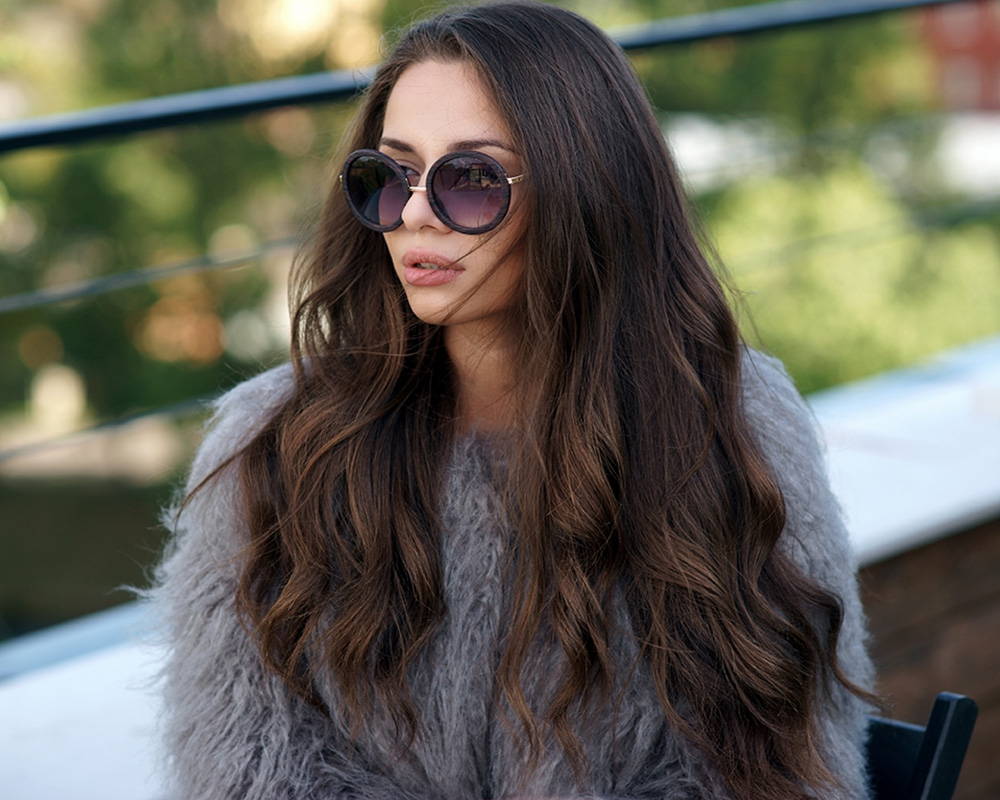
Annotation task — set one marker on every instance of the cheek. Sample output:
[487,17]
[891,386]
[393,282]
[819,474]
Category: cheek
[506,279]
[507,240]
[388,246]
[505,274]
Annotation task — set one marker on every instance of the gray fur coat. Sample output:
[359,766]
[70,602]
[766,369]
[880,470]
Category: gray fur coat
[230,730]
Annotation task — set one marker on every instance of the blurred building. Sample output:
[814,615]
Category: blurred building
[964,40]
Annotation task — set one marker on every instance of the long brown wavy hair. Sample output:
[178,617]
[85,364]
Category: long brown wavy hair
[632,459]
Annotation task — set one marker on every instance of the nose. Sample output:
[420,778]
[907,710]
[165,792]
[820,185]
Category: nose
[417,212]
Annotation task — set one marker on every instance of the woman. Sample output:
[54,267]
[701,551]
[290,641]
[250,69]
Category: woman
[522,516]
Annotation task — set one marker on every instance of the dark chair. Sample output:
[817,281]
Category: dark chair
[916,762]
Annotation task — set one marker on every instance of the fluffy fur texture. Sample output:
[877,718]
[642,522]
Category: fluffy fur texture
[231,730]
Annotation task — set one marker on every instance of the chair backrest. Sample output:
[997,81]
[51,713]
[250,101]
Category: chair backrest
[921,762]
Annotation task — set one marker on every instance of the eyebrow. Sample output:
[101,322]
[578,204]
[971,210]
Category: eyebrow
[462,144]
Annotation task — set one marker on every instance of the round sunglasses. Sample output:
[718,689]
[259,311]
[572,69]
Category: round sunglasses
[469,191]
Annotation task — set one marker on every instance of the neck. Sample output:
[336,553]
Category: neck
[482,364]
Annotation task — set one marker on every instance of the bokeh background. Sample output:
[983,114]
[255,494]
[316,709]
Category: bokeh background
[847,174]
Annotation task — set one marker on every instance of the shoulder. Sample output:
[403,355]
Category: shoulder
[780,418]
[791,440]
[256,395]
[815,538]
[769,392]
[203,525]
[238,414]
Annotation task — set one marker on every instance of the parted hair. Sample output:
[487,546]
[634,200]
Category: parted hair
[632,461]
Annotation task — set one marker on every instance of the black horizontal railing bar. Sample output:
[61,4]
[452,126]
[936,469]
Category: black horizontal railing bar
[229,101]
[181,109]
[73,437]
[756,18]
[136,277]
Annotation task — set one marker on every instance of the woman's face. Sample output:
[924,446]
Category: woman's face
[437,108]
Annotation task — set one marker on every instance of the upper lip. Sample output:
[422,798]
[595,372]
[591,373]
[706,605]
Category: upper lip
[418,256]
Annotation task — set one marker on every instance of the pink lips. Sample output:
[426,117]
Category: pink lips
[418,276]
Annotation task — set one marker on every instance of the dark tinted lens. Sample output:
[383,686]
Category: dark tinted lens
[375,191]
[471,190]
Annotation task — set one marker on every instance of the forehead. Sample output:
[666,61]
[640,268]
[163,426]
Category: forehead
[434,104]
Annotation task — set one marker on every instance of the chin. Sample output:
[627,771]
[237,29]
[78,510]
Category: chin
[431,314]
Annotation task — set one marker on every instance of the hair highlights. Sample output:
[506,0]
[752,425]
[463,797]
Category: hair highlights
[628,358]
